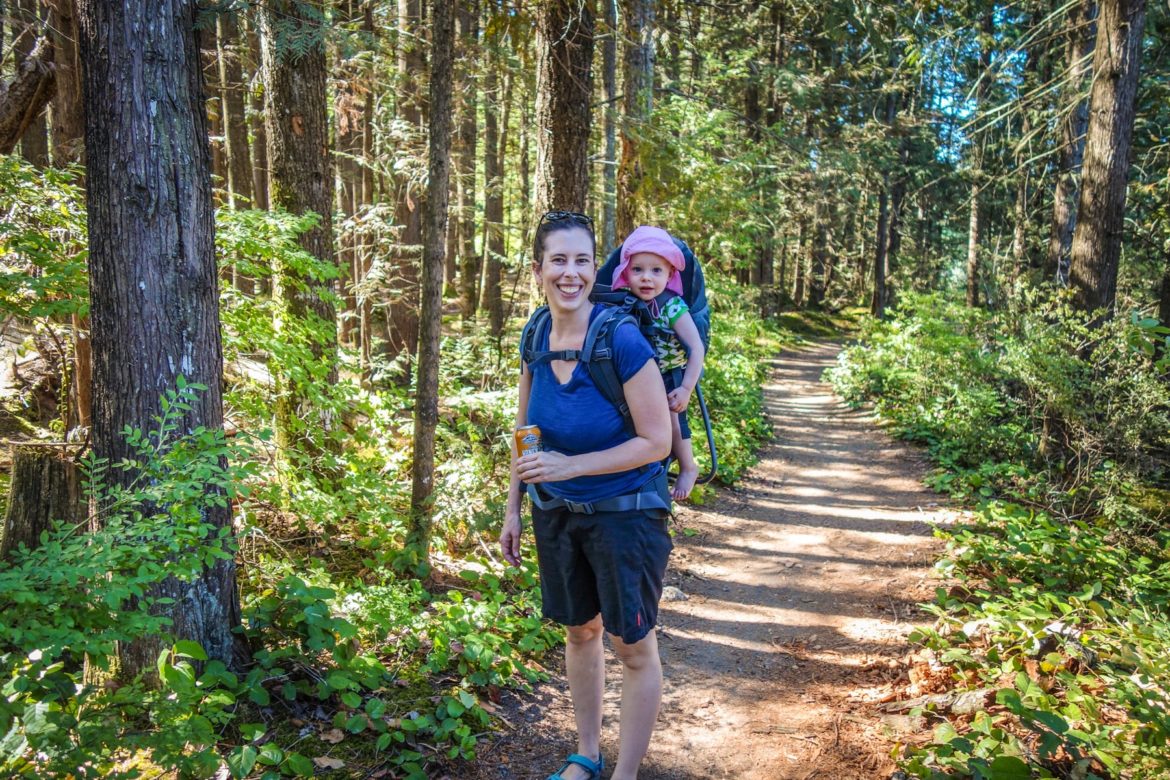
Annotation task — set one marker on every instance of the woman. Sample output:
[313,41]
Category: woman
[601,566]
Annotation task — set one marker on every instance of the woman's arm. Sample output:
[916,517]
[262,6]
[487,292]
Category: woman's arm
[646,397]
[510,533]
[688,334]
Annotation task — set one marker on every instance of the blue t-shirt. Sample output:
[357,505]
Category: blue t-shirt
[575,417]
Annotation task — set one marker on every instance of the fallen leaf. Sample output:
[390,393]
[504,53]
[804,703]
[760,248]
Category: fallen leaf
[325,762]
[332,736]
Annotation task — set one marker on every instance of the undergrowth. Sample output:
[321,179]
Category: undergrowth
[1060,609]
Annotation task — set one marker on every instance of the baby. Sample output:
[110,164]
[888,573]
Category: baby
[650,267]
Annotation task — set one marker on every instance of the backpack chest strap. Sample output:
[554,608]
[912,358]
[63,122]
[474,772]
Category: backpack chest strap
[547,357]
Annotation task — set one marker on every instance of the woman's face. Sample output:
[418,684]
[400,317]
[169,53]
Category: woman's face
[567,271]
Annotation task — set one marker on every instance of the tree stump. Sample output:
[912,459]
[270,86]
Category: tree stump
[46,487]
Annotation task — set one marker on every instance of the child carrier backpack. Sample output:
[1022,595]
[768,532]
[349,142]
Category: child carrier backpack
[596,351]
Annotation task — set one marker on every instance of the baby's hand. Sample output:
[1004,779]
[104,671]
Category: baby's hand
[678,399]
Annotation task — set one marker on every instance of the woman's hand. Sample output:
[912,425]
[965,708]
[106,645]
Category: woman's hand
[545,467]
[510,539]
[678,399]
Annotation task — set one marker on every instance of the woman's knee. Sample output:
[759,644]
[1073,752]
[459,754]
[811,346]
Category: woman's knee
[637,655]
[586,633]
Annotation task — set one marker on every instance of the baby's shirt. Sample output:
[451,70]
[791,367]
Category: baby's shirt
[668,350]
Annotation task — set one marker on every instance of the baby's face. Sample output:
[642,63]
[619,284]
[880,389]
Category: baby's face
[648,274]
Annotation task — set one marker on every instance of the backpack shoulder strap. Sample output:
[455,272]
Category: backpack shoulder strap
[597,353]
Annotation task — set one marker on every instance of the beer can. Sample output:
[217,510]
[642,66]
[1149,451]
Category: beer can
[528,440]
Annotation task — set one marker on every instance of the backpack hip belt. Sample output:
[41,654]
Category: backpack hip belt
[655,494]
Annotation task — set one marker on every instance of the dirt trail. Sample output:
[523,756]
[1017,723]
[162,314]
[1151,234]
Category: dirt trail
[800,588]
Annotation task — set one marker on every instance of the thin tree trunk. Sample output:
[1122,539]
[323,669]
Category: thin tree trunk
[1080,37]
[231,82]
[637,104]
[564,84]
[467,75]
[155,306]
[404,309]
[1096,247]
[493,212]
[609,171]
[26,32]
[973,226]
[348,113]
[301,181]
[67,125]
[259,133]
[426,409]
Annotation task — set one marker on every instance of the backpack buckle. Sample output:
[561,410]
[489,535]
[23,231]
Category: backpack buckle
[579,509]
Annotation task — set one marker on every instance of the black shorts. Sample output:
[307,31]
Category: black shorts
[673,379]
[608,562]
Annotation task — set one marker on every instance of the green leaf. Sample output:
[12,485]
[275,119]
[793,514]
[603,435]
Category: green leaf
[241,760]
[299,765]
[253,731]
[1009,768]
[271,754]
[188,649]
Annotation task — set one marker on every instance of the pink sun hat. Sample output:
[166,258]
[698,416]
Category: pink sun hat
[656,241]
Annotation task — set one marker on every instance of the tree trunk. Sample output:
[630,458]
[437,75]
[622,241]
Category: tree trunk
[34,144]
[154,303]
[259,131]
[493,183]
[348,113]
[467,78]
[232,86]
[609,169]
[426,408]
[1096,246]
[564,84]
[23,98]
[404,308]
[46,488]
[877,304]
[973,226]
[67,128]
[1080,36]
[637,104]
[301,181]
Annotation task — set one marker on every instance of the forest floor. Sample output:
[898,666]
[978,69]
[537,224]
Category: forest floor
[800,585]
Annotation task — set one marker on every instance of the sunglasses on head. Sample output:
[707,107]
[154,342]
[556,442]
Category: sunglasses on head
[561,216]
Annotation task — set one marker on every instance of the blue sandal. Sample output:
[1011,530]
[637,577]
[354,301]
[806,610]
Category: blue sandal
[593,768]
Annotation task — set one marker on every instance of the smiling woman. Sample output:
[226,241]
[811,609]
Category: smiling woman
[602,553]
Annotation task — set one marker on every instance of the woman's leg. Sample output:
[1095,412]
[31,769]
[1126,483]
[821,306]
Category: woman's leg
[585,668]
[641,696]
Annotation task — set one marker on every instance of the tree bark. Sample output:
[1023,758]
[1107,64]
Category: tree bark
[24,97]
[637,104]
[1096,246]
[973,224]
[301,181]
[348,113]
[233,88]
[154,302]
[34,145]
[1080,35]
[493,183]
[426,408]
[609,169]
[45,488]
[564,84]
[467,78]
[404,309]
[67,128]
[259,132]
